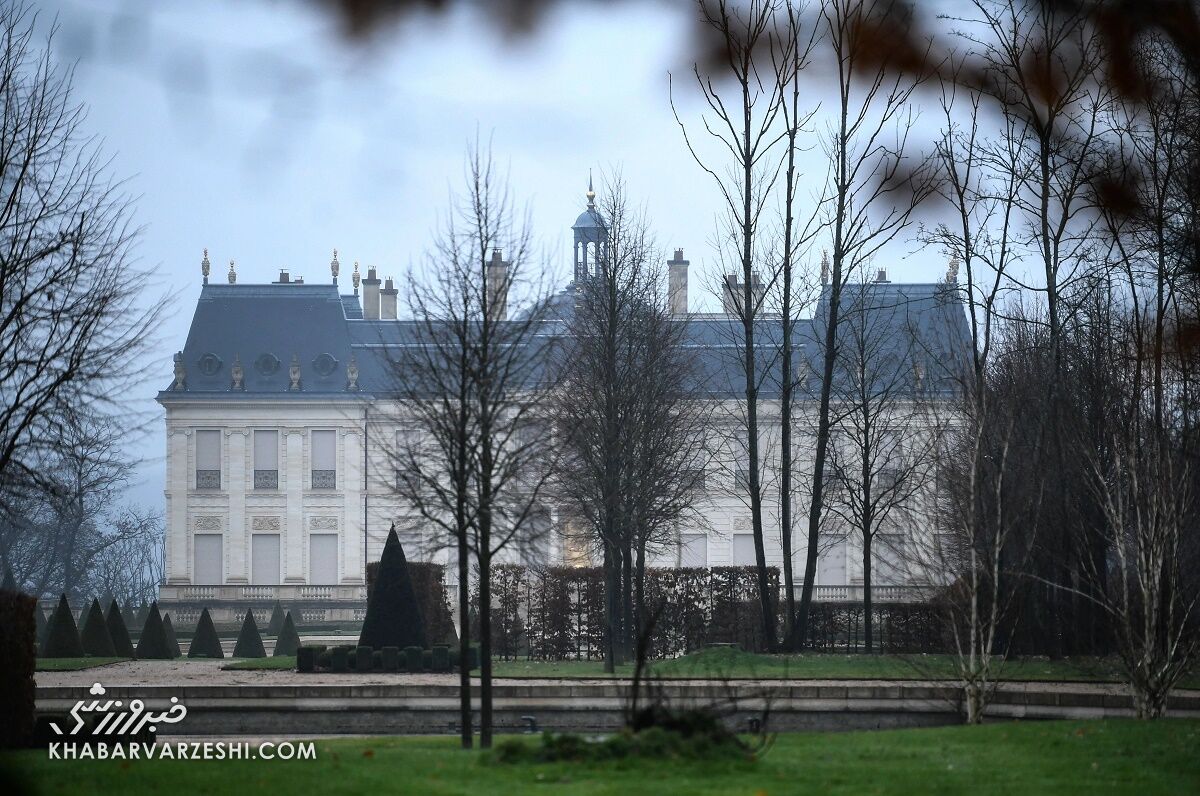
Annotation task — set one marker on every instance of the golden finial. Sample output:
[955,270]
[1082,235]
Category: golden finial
[205,265]
[591,195]
[232,273]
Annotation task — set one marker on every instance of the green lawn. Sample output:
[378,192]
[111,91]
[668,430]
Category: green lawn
[1119,756]
[73,664]
[729,663]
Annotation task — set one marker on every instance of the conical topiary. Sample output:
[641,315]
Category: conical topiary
[205,643]
[62,637]
[276,622]
[249,642]
[288,640]
[393,615]
[122,644]
[10,583]
[94,635]
[152,643]
[172,642]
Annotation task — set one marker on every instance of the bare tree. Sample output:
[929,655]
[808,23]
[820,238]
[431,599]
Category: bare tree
[795,50]
[68,532]
[874,186]
[472,388]
[75,325]
[973,524]
[883,441]
[742,124]
[1149,504]
[632,436]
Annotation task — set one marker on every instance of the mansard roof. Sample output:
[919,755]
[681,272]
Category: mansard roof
[266,327]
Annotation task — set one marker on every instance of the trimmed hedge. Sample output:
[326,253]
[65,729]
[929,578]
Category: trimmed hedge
[153,642]
[288,640]
[18,633]
[363,659]
[172,640]
[393,614]
[122,644]
[205,643]
[62,637]
[249,642]
[94,636]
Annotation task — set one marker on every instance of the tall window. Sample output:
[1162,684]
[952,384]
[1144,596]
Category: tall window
[266,460]
[207,562]
[693,550]
[743,550]
[208,459]
[264,559]
[324,467]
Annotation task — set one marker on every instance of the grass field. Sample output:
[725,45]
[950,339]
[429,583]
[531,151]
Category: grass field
[724,663]
[1119,756]
[73,664]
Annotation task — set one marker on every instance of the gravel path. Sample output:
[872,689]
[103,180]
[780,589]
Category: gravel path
[209,672]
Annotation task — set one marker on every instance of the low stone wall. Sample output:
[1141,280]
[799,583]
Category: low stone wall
[593,706]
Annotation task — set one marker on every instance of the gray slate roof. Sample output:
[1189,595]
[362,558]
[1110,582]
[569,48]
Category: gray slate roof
[267,325]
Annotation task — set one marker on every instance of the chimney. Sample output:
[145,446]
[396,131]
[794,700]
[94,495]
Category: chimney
[371,295]
[497,284]
[387,301]
[881,276]
[677,284]
[730,295]
[284,277]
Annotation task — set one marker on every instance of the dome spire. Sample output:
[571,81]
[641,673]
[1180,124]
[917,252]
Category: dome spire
[591,195]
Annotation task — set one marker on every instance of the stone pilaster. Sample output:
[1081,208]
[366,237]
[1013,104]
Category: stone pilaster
[238,538]
[176,508]
[351,541]
[293,540]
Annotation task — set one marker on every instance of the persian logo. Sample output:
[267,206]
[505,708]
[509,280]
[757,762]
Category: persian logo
[123,719]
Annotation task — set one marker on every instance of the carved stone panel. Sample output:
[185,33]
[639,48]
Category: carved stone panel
[265,524]
[323,523]
[208,523]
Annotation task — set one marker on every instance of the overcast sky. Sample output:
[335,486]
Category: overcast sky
[258,130]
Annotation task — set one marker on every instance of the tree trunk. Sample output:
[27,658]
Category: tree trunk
[485,651]
[867,623]
[610,609]
[464,643]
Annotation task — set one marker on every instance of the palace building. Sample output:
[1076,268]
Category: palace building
[278,485]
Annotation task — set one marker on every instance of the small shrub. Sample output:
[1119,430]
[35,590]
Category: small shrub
[390,659]
[62,637]
[363,658]
[152,643]
[287,640]
[94,636]
[122,644]
[339,659]
[249,642]
[414,659]
[440,658]
[306,660]
[205,643]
